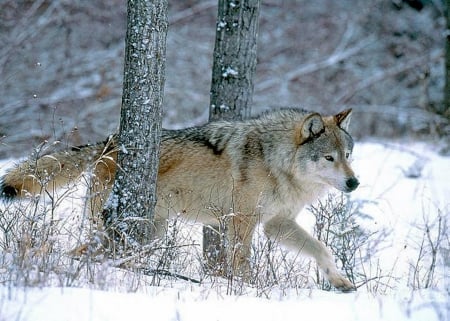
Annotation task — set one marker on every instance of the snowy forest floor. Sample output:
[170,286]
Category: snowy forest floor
[399,249]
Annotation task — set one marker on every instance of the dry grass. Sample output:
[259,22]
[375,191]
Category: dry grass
[37,239]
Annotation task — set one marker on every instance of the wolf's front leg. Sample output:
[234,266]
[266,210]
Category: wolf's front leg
[289,234]
[239,234]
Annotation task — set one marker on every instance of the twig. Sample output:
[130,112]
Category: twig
[168,273]
[378,278]
[143,252]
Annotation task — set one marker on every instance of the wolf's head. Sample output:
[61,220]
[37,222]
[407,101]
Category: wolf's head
[325,150]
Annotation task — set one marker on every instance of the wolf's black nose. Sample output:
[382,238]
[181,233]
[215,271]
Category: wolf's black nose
[352,183]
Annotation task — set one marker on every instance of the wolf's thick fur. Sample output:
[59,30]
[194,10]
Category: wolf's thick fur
[263,170]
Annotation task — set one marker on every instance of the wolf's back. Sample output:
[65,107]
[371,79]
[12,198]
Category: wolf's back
[49,172]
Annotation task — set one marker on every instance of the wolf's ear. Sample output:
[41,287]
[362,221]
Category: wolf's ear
[343,119]
[311,128]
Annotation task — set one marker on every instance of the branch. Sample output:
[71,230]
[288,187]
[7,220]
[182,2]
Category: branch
[339,54]
[172,274]
[381,75]
[192,11]
[22,32]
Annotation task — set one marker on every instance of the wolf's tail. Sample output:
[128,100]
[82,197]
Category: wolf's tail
[50,172]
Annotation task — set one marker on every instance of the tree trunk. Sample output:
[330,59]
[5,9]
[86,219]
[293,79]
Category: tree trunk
[231,90]
[234,59]
[447,65]
[131,205]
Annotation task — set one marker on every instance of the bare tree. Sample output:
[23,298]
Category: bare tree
[131,206]
[231,88]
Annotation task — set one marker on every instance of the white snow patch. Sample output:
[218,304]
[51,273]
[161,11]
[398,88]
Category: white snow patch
[230,72]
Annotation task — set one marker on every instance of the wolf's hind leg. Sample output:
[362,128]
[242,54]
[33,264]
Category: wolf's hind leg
[100,186]
[289,234]
[159,227]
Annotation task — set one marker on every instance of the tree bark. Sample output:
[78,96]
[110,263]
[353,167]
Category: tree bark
[447,65]
[133,198]
[231,91]
[234,59]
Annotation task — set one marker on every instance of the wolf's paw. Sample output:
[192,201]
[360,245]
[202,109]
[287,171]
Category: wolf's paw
[339,282]
[342,284]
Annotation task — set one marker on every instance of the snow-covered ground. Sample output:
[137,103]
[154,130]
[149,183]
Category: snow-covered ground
[404,192]
[66,304]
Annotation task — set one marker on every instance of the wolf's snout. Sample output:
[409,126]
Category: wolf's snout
[352,184]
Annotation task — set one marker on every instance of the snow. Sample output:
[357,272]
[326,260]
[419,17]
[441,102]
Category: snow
[230,72]
[401,204]
[221,25]
[168,304]
[393,200]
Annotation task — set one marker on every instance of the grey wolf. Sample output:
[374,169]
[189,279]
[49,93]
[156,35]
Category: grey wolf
[263,170]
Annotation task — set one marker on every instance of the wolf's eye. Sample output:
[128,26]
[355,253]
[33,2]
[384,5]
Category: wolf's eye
[347,155]
[329,158]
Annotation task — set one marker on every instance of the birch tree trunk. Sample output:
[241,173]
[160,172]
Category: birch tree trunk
[231,89]
[133,199]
